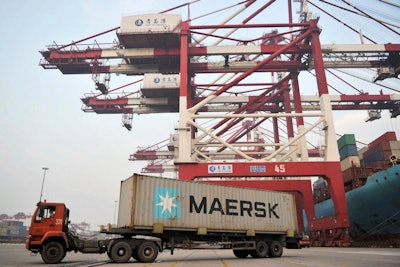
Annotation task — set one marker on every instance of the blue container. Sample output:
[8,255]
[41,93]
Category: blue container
[371,158]
[347,151]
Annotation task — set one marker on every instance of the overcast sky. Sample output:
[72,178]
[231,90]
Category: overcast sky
[42,124]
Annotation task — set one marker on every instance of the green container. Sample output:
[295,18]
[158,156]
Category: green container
[346,139]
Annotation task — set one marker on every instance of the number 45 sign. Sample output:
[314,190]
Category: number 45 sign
[280,168]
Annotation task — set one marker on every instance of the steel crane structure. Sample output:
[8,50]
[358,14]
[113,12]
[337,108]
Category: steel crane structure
[220,76]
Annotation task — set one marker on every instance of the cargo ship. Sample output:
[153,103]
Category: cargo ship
[371,178]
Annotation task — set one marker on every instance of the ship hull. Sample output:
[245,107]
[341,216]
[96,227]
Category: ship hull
[374,208]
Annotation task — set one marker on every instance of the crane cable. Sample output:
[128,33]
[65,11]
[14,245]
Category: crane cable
[370,17]
[357,13]
[342,22]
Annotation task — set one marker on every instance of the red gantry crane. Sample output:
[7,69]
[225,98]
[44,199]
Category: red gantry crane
[242,73]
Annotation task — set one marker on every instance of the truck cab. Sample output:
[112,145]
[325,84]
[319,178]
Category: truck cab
[50,236]
[48,231]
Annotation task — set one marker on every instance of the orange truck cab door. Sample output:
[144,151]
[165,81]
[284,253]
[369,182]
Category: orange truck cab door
[48,218]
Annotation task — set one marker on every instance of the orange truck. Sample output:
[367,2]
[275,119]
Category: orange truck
[157,213]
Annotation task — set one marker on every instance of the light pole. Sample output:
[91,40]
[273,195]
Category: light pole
[44,176]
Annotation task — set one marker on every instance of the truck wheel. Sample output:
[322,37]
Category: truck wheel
[53,252]
[241,253]
[121,252]
[275,249]
[147,252]
[261,250]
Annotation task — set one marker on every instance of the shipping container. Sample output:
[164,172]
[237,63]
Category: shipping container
[14,232]
[13,227]
[380,156]
[147,201]
[388,136]
[346,139]
[3,231]
[349,162]
[362,151]
[394,145]
[381,147]
[347,151]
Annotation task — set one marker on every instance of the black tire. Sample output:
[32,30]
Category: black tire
[261,249]
[275,249]
[53,252]
[121,252]
[147,252]
[241,253]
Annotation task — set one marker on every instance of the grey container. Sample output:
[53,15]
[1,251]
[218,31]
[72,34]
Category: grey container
[146,201]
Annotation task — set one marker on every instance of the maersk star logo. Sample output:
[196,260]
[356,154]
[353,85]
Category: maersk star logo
[166,204]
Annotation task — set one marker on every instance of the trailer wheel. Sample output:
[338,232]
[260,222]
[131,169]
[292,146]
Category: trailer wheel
[275,249]
[53,252]
[147,252]
[121,252]
[241,253]
[261,250]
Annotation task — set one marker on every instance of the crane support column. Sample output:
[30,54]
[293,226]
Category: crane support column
[184,130]
[329,231]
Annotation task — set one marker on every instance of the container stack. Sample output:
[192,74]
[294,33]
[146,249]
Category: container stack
[348,156]
[382,150]
[12,230]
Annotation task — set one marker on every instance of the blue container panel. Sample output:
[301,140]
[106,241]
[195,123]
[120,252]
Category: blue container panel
[347,151]
[376,156]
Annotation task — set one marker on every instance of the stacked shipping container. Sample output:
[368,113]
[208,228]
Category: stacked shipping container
[348,156]
[381,149]
[12,230]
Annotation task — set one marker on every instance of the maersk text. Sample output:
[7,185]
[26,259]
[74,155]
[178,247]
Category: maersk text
[233,207]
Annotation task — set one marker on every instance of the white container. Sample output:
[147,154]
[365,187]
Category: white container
[361,152]
[151,23]
[348,162]
[187,206]
[394,145]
